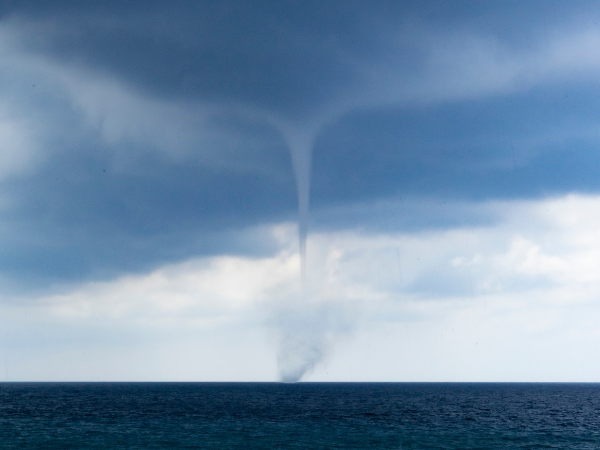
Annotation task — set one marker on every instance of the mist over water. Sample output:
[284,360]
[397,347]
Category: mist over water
[307,330]
[300,352]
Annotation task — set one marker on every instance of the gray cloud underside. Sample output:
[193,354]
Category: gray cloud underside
[96,207]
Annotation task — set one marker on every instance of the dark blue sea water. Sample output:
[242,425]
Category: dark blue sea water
[299,416]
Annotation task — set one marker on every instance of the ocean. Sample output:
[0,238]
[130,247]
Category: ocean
[299,416]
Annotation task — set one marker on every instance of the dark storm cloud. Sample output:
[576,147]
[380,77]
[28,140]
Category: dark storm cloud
[121,188]
[291,57]
[78,216]
[543,142]
[276,55]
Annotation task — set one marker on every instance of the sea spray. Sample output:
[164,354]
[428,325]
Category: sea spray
[306,333]
[299,354]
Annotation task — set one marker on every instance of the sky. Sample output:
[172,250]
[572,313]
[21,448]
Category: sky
[299,191]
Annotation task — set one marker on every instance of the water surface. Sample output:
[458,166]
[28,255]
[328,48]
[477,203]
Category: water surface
[299,416]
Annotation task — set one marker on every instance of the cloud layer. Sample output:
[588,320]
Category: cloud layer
[153,159]
[165,131]
[502,296]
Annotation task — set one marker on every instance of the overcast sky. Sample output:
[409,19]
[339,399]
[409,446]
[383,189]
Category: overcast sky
[153,156]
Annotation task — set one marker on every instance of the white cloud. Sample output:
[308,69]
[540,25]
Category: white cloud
[203,292]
